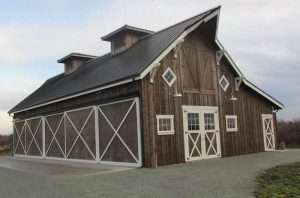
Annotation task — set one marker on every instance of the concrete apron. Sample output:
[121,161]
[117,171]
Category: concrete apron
[57,167]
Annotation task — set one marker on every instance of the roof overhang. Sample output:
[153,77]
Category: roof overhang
[125,28]
[244,79]
[262,93]
[75,55]
[75,95]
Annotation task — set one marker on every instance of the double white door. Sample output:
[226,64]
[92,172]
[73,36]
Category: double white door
[201,132]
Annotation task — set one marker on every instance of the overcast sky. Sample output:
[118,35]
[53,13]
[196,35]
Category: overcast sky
[261,35]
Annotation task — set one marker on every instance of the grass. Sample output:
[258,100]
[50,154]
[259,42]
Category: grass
[279,182]
[293,146]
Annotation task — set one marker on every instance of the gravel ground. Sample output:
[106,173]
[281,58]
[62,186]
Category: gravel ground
[225,177]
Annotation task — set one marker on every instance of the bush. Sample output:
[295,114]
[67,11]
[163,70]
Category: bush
[282,146]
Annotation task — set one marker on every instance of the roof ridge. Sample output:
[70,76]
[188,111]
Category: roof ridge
[166,28]
[155,33]
[185,20]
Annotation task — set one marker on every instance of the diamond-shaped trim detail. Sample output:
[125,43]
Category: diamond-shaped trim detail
[224,83]
[169,76]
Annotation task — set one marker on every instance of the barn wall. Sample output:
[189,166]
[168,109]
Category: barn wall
[194,57]
[194,64]
[248,108]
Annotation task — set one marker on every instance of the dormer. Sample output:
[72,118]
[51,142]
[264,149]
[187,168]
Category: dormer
[124,37]
[74,60]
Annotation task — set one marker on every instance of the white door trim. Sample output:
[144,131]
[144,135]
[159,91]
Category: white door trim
[202,133]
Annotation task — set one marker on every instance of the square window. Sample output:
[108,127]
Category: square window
[224,83]
[169,76]
[231,123]
[165,124]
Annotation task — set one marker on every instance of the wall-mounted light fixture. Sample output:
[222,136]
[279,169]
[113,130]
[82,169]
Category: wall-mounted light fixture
[233,98]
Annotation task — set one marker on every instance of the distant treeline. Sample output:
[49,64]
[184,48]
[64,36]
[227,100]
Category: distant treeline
[6,142]
[289,132]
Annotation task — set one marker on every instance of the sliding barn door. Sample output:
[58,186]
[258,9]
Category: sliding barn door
[119,132]
[34,137]
[80,134]
[28,137]
[71,135]
[107,133]
[19,137]
[55,136]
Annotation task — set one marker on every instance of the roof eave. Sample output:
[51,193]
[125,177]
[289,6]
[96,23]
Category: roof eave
[249,84]
[63,59]
[125,27]
[100,88]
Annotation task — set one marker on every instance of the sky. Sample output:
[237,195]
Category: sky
[262,36]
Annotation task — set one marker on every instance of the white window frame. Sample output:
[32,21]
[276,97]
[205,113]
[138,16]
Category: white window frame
[224,78]
[171,117]
[173,80]
[235,129]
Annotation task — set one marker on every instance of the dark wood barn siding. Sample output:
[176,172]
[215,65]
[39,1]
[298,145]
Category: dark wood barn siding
[248,107]
[195,62]
[198,82]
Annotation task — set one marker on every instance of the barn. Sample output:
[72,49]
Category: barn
[156,98]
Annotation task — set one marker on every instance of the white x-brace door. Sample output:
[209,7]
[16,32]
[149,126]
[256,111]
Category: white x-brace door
[268,130]
[26,137]
[132,108]
[201,132]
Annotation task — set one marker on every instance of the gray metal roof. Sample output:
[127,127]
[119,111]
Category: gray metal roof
[109,68]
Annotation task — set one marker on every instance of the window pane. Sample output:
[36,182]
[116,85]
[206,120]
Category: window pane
[231,123]
[223,83]
[169,77]
[193,121]
[165,124]
[209,121]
